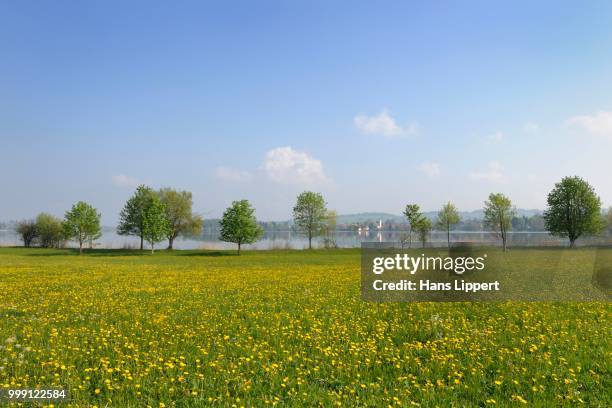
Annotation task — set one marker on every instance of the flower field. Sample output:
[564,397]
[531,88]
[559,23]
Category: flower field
[286,328]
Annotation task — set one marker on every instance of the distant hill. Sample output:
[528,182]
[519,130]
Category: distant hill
[362,218]
[366,217]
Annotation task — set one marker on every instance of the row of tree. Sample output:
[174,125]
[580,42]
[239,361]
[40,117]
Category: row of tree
[151,215]
[573,210]
[533,223]
[81,224]
[310,216]
[154,216]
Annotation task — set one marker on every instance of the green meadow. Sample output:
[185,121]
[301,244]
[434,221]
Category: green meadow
[210,328]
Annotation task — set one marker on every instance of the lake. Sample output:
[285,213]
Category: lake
[344,239]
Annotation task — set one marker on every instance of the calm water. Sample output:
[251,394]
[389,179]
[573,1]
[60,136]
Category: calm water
[344,239]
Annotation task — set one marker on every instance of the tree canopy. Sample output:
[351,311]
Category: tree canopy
[27,231]
[82,224]
[423,228]
[155,225]
[573,209]
[414,216]
[181,219]
[239,225]
[447,217]
[310,215]
[498,213]
[131,221]
[50,231]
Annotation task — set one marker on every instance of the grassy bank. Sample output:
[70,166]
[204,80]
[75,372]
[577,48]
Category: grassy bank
[281,327]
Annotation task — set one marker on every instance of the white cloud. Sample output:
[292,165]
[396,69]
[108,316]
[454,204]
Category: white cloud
[599,123]
[495,137]
[384,124]
[287,166]
[125,181]
[230,174]
[531,128]
[431,170]
[493,173]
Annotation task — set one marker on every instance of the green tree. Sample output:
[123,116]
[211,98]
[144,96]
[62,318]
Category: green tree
[447,217]
[239,225]
[27,231]
[498,213]
[50,231]
[181,219]
[331,221]
[423,228]
[413,215]
[155,224]
[82,224]
[573,209]
[310,215]
[131,221]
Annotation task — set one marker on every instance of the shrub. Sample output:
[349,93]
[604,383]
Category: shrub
[28,232]
[50,231]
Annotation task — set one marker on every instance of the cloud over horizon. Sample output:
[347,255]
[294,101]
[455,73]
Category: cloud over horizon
[288,166]
[383,124]
[598,123]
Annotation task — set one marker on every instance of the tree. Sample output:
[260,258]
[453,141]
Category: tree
[239,225]
[447,217]
[82,224]
[413,215]
[27,230]
[310,215]
[498,213]
[131,217]
[181,219]
[331,221]
[573,209]
[155,225]
[50,231]
[423,228]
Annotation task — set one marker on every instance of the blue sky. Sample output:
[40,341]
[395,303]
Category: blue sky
[375,104]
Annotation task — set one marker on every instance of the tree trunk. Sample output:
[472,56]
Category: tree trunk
[80,247]
[152,248]
[504,242]
[309,240]
[572,242]
[448,237]
[170,243]
[238,248]
[141,242]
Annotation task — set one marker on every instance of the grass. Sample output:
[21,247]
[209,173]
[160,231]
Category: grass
[209,328]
